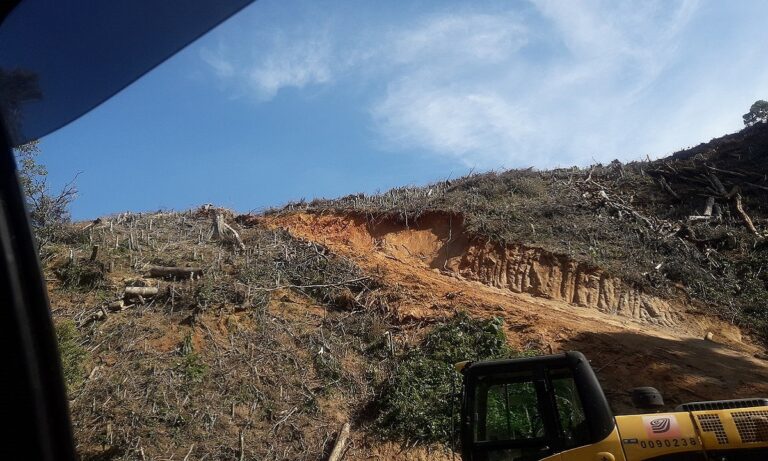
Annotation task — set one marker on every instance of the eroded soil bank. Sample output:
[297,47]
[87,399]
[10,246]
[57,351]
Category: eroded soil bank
[548,302]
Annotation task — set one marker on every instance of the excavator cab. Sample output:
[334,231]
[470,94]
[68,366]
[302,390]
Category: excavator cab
[527,409]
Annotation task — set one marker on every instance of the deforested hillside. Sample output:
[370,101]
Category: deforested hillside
[176,340]
[204,334]
[691,225]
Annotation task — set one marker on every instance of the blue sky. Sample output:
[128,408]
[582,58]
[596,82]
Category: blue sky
[291,100]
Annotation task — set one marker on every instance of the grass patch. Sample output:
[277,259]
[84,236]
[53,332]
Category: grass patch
[72,353]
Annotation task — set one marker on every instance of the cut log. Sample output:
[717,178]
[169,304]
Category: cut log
[710,204]
[116,305]
[718,211]
[341,442]
[140,291]
[175,272]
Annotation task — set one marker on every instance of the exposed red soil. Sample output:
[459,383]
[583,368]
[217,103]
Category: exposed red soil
[433,269]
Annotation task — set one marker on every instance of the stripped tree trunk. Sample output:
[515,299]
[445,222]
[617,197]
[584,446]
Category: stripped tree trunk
[744,216]
[341,442]
[223,231]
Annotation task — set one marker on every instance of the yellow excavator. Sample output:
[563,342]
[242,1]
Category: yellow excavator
[553,408]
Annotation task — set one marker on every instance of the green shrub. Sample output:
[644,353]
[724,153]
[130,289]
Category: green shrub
[416,402]
[465,338]
[193,368]
[72,354]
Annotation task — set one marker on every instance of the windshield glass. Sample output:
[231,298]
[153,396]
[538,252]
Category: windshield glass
[507,408]
[58,61]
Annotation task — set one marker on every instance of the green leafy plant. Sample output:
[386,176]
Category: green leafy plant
[416,402]
[191,365]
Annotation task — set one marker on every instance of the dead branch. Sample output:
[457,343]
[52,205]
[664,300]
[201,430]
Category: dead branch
[621,207]
[327,285]
[734,173]
[665,185]
[242,446]
[192,447]
[757,186]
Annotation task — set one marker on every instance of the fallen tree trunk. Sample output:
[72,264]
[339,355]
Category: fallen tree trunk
[744,216]
[92,224]
[175,272]
[341,442]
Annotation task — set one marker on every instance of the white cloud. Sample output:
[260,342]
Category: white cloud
[557,83]
[295,64]
[450,121]
[286,60]
[619,43]
[446,93]
[457,38]
[490,104]
[221,67]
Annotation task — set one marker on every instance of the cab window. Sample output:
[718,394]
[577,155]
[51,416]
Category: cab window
[570,411]
[507,409]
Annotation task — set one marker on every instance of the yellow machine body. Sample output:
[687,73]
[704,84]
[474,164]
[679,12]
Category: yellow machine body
[553,408]
[740,433]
